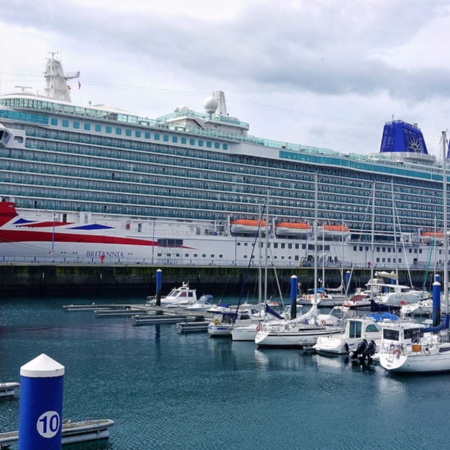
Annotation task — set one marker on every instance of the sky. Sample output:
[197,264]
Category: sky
[323,73]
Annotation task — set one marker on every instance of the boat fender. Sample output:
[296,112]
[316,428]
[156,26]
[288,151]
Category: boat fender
[347,348]
[259,327]
[216,322]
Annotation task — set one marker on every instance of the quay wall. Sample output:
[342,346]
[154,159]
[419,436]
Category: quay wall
[99,279]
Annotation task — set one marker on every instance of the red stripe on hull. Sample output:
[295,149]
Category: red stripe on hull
[44,224]
[8,236]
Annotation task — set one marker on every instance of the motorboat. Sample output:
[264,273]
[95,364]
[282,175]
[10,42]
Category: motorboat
[179,297]
[356,329]
[324,299]
[203,304]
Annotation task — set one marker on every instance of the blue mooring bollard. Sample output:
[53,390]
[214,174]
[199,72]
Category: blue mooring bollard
[437,301]
[293,297]
[40,407]
[158,287]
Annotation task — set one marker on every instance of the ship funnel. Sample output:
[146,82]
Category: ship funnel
[402,137]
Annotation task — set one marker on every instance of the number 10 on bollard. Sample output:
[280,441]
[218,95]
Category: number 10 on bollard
[41,396]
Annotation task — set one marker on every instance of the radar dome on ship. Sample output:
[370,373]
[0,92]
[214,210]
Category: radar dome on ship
[210,104]
[181,108]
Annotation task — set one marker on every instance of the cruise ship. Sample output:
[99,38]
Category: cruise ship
[95,184]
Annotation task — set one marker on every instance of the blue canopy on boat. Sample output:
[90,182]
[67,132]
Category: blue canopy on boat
[383,316]
[442,326]
[269,310]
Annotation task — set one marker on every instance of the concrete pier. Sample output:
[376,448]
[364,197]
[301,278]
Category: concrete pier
[99,279]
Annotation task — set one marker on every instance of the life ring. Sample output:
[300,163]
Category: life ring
[216,322]
[324,323]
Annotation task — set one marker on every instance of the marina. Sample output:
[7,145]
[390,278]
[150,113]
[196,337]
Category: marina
[159,385]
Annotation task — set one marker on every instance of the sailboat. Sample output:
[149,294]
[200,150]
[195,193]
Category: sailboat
[247,332]
[410,347]
[303,331]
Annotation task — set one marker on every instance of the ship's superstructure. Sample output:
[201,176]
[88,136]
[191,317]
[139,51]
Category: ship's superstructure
[191,184]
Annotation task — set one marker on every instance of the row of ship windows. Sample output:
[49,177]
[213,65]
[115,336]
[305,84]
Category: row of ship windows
[93,113]
[86,200]
[131,192]
[385,249]
[289,246]
[135,184]
[427,197]
[108,129]
[249,162]
[204,255]
[119,131]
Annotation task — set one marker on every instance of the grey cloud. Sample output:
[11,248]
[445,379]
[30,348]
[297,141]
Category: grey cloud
[317,49]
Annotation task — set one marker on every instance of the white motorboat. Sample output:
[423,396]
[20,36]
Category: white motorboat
[203,304]
[356,329]
[179,297]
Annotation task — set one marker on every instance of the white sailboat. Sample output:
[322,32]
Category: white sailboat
[408,346]
[247,332]
[303,331]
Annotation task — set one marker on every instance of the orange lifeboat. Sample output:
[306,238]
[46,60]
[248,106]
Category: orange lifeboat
[292,228]
[429,236]
[333,230]
[247,226]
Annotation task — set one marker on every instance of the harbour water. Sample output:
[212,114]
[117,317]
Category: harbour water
[170,391]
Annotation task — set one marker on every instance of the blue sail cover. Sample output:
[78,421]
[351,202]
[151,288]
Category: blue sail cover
[399,136]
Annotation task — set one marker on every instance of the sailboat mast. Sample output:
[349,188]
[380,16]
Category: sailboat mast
[372,239]
[394,217]
[315,236]
[259,257]
[444,199]
[267,248]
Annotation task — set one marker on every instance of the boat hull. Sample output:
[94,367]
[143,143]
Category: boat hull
[292,339]
[416,363]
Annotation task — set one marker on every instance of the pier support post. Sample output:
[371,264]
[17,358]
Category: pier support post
[293,296]
[158,287]
[40,407]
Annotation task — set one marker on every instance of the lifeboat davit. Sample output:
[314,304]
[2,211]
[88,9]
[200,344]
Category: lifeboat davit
[247,226]
[292,228]
[334,231]
[429,236]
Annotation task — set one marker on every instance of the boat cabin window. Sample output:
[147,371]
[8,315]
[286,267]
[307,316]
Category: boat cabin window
[413,334]
[392,335]
[355,329]
[372,328]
